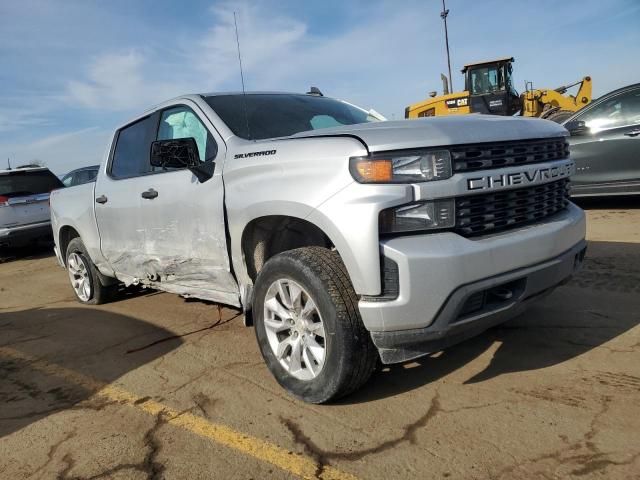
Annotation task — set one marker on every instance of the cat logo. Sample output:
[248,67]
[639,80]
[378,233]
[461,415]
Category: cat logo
[457,102]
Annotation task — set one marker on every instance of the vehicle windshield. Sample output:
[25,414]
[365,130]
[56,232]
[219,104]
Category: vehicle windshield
[281,115]
[487,80]
[17,183]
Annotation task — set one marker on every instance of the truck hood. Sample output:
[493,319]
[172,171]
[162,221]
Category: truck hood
[442,131]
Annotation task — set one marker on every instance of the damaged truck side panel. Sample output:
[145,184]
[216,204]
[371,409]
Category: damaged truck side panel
[175,241]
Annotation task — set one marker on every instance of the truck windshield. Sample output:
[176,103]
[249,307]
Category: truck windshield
[281,115]
[16,183]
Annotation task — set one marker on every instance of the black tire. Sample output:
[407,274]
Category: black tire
[99,293]
[559,116]
[350,356]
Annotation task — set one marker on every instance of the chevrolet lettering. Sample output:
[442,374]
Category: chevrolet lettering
[526,177]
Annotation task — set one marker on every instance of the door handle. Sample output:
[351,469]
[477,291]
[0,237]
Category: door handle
[633,133]
[101,199]
[150,194]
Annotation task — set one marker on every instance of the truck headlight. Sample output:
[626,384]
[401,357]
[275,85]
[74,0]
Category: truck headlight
[407,166]
[433,215]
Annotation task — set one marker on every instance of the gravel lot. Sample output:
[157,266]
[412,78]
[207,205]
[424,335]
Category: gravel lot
[155,386]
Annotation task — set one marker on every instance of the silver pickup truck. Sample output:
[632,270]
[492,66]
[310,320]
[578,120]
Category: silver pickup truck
[345,239]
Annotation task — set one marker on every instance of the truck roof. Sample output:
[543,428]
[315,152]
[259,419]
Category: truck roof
[266,92]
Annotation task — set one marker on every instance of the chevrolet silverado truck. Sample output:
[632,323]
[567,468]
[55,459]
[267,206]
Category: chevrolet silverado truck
[345,240]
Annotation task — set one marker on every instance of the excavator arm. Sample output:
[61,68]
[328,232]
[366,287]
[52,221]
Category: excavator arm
[552,104]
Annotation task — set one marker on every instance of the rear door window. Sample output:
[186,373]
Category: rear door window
[133,147]
[84,176]
[21,183]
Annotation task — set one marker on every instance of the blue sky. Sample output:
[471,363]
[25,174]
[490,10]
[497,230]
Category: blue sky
[71,71]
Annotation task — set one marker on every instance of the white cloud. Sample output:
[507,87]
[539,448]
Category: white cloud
[62,152]
[365,63]
[389,57]
[125,81]
[17,118]
[116,81]
[262,42]
[53,140]
[93,64]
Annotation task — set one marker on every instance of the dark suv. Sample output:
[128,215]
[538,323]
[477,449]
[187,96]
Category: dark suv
[605,144]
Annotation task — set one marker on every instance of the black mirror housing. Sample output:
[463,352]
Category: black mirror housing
[177,153]
[577,127]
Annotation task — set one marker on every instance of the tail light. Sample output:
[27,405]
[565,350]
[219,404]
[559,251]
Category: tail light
[4,201]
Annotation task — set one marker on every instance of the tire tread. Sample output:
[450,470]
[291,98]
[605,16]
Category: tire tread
[330,268]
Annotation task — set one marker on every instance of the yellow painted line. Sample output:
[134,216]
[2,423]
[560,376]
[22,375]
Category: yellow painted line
[299,465]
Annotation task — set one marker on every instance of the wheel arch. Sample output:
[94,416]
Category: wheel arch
[65,235]
[265,236]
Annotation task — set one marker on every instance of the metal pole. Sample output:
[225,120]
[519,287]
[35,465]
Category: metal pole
[443,15]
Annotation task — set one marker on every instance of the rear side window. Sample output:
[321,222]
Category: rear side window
[131,155]
[67,179]
[84,176]
[18,183]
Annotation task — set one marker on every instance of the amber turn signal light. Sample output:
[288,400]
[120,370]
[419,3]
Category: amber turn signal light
[373,171]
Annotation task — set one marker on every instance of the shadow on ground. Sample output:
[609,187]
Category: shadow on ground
[571,321]
[94,343]
[41,249]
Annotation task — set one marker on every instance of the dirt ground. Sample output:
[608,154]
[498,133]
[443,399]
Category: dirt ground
[155,386]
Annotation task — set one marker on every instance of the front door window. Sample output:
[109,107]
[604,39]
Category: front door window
[619,111]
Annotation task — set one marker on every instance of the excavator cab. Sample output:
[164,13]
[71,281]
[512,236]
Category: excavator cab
[490,87]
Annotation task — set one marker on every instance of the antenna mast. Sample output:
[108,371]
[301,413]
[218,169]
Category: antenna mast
[244,94]
[443,15]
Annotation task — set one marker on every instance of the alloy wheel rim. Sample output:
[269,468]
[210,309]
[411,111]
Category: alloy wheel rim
[294,329]
[79,276]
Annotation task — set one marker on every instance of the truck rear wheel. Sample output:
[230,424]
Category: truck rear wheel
[84,277]
[308,326]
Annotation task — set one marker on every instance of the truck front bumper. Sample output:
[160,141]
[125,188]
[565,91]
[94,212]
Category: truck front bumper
[451,287]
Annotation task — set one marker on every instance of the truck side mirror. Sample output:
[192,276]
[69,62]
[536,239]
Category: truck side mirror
[177,153]
[577,127]
[181,153]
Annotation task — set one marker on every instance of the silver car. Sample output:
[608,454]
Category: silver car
[24,205]
[605,144]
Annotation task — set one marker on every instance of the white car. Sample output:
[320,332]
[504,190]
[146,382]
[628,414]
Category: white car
[24,205]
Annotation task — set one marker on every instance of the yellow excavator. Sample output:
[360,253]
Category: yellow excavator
[489,89]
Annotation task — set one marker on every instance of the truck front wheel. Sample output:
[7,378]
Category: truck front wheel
[308,326]
[84,277]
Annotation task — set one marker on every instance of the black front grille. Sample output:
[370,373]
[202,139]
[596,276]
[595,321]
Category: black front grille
[504,154]
[491,212]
